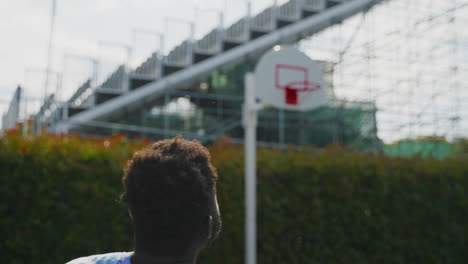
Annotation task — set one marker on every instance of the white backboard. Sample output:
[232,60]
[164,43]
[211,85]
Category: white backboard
[288,79]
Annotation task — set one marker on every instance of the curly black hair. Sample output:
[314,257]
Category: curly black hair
[169,188]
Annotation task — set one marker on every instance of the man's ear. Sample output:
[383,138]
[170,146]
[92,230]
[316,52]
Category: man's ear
[210,227]
[130,214]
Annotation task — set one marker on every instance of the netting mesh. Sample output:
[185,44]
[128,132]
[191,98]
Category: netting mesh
[213,108]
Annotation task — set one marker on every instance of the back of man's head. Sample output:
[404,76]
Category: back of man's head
[170,189]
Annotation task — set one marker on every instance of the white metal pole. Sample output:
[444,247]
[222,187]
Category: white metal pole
[94,82]
[129,57]
[224,10]
[165,33]
[128,69]
[196,11]
[250,127]
[275,14]
[134,37]
[50,47]
[58,87]
[249,18]
[161,44]
[99,64]
[26,120]
[281,125]
[221,20]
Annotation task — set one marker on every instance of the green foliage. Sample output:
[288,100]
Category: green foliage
[58,202]
[58,197]
[460,146]
[434,147]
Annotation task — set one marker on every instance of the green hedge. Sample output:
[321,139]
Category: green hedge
[58,201]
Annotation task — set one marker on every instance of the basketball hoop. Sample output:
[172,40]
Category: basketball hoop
[293,87]
[288,79]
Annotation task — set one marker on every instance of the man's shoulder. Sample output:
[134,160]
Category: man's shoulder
[109,258]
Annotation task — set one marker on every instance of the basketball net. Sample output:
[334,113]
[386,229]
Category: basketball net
[293,89]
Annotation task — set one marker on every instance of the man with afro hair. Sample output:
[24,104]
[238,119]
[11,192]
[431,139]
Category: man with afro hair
[170,191]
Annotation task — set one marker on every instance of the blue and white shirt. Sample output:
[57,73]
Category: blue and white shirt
[109,258]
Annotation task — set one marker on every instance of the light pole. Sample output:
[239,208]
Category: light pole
[47,72]
[50,47]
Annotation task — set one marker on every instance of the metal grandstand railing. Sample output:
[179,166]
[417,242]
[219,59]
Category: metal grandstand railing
[213,43]
[237,32]
[116,79]
[81,94]
[150,68]
[265,21]
[45,113]
[314,6]
[219,41]
[180,56]
[290,11]
[210,44]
